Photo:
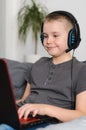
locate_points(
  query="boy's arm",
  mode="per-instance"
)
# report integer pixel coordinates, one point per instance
(25, 95)
(67, 115)
(62, 114)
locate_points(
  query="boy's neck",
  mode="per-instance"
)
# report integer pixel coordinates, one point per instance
(62, 59)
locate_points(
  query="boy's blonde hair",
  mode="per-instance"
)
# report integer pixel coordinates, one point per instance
(61, 17)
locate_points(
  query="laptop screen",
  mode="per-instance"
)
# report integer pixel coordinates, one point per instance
(8, 108)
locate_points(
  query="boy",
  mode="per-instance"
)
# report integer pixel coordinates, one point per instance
(57, 85)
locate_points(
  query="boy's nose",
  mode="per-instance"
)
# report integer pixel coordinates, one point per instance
(49, 40)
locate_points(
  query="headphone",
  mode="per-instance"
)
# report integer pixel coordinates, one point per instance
(73, 35)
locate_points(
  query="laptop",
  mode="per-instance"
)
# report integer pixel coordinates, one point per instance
(8, 107)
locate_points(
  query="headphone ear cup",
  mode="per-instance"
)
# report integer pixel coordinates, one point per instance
(72, 39)
(42, 37)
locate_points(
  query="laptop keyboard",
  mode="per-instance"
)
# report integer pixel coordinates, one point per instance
(31, 121)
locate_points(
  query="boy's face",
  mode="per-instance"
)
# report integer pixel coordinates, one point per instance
(55, 37)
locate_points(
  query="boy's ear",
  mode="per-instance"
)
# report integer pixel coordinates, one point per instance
(73, 39)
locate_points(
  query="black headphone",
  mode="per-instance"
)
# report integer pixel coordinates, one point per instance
(74, 34)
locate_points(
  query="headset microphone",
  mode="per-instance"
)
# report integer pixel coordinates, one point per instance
(67, 50)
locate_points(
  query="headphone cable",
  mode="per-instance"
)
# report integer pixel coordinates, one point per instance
(72, 95)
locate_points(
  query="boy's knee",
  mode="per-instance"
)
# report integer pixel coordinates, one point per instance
(5, 127)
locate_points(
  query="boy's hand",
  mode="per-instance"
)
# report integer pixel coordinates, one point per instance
(33, 109)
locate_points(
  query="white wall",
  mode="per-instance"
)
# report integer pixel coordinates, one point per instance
(11, 47)
(2, 27)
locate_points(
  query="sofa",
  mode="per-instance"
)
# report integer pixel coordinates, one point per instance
(18, 73)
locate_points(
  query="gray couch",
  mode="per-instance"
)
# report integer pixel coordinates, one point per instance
(18, 73)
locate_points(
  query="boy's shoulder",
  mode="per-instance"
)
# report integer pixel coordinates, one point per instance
(82, 63)
(79, 65)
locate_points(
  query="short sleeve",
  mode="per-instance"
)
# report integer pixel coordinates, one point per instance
(81, 80)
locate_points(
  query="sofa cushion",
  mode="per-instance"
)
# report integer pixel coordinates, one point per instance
(18, 71)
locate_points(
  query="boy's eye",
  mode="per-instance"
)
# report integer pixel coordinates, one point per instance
(45, 36)
(55, 35)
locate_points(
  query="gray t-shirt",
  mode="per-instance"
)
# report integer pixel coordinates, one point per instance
(56, 84)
